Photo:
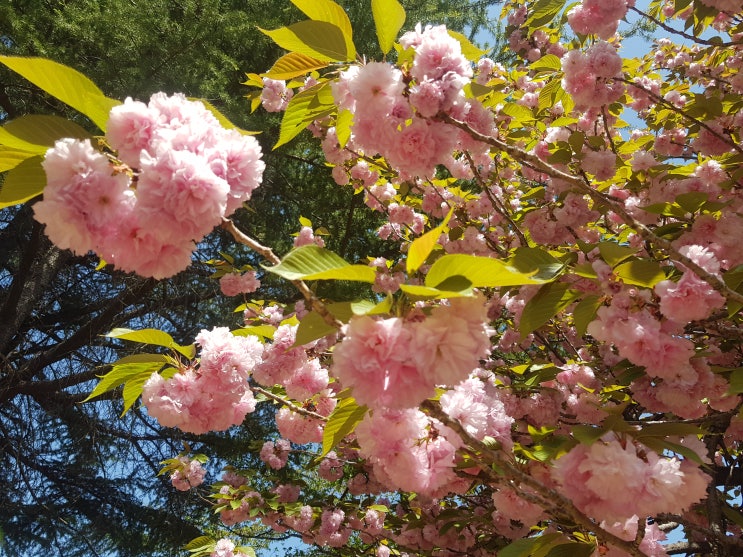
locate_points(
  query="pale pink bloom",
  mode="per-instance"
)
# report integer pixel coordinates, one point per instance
(302, 521)
(405, 453)
(236, 158)
(375, 361)
(377, 87)
(298, 428)
(130, 129)
(275, 454)
(600, 17)
(689, 299)
(190, 474)
(306, 237)
(437, 53)
(275, 95)
(233, 284)
(307, 380)
(602, 164)
(331, 468)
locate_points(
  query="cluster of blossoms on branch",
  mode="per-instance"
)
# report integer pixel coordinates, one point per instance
(174, 173)
(553, 353)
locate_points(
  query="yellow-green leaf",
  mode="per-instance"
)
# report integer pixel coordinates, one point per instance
(294, 64)
(318, 39)
(315, 263)
(221, 118)
(389, 17)
(152, 336)
(68, 85)
(303, 108)
(44, 130)
(25, 181)
(127, 368)
(330, 12)
(469, 51)
(10, 158)
(422, 246)
(341, 422)
(641, 272)
(479, 271)
(551, 299)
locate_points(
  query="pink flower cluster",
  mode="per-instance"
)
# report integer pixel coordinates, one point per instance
(213, 395)
(590, 77)
(392, 110)
(233, 284)
(394, 363)
(175, 174)
(225, 548)
(600, 17)
(411, 451)
(614, 479)
(189, 474)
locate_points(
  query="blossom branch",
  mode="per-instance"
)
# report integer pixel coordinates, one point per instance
(293, 407)
(648, 235)
(268, 254)
(687, 36)
(551, 500)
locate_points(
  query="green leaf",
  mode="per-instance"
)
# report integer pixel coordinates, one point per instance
(547, 63)
(315, 263)
(10, 158)
(330, 12)
(421, 247)
(343, 124)
(263, 331)
(341, 422)
(587, 434)
(389, 17)
(303, 108)
(572, 549)
(481, 272)
(530, 547)
(469, 51)
(25, 181)
(133, 389)
(152, 336)
(543, 12)
(202, 542)
(312, 327)
(641, 272)
(551, 299)
(68, 85)
(294, 64)
(431, 293)
(126, 369)
(318, 39)
(736, 381)
(42, 130)
(585, 312)
(537, 262)
(614, 253)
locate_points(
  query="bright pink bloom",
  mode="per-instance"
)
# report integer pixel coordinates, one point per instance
(233, 284)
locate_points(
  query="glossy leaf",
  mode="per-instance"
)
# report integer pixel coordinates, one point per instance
(303, 108)
(294, 64)
(469, 51)
(585, 312)
(330, 12)
(537, 262)
(25, 181)
(389, 17)
(341, 422)
(531, 547)
(127, 368)
(315, 263)
(544, 305)
(155, 337)
(543, 12)
(421, 247)
(66, 84)
(10, 158)
(640, 272)
(44, 130)
(481, 272)
(318, 39)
